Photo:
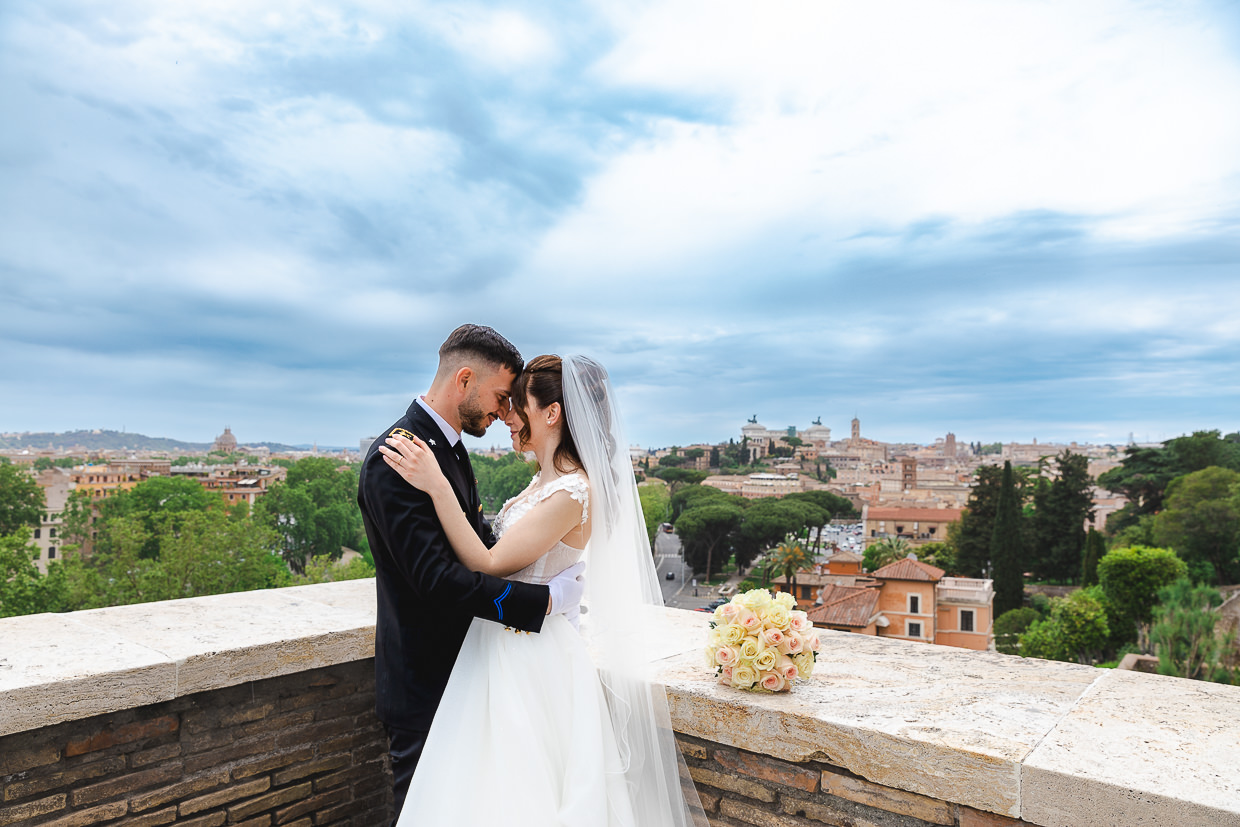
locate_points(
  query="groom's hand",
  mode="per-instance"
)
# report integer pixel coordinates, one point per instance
(566, 589)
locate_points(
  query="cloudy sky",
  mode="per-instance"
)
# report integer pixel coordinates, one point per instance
(1005, 219)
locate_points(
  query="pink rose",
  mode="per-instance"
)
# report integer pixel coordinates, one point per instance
(772, 638)
(726, 656)
(725, 677)
(788, 669)
(748, 620)
(728, 612)
(812, 640)
(799, 622)
(794, 645)
(773, 682)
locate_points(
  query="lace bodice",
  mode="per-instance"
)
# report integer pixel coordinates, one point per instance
(560, 556)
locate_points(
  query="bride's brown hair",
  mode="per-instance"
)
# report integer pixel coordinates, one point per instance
(543, 381)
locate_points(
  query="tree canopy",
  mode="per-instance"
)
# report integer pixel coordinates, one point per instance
(314, 511)
(21, 499)
(499, 480)
(705, 532)
(1061, 506)
(1145, 473)
(1131, 578)
(1201, 521)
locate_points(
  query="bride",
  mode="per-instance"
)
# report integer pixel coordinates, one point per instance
(532, 729)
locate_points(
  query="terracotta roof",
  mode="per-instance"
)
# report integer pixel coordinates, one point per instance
(847, 607)
(909, 569)
(808, 578)
(843, 556)
(913, 515)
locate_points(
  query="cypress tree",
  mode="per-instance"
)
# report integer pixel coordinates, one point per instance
(1006, 547)
(1095, 547)
(977, 526)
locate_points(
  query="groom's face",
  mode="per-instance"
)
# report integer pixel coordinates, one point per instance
(486, 400)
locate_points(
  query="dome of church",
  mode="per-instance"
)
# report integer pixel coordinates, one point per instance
(751, 427)
(225, 442)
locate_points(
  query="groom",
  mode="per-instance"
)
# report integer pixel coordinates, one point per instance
(426, 598)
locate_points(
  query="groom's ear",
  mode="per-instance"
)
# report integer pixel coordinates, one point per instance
(463, 378)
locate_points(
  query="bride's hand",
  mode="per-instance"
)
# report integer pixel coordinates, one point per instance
(413, 460)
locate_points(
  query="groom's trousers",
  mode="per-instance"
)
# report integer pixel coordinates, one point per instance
(405, 748)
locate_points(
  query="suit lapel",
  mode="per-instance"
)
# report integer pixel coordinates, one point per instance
(429, 430)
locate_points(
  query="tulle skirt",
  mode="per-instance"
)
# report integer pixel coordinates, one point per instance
(522, 738)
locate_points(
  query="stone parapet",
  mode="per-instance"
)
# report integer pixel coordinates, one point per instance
(886, 732)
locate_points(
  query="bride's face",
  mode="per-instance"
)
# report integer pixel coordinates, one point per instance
(514, 423)
(542, 421)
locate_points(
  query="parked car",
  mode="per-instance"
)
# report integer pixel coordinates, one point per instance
(671, 575)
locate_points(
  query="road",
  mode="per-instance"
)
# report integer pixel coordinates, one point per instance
(677, 592)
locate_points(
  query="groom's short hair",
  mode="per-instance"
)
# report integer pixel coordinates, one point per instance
(479, 342)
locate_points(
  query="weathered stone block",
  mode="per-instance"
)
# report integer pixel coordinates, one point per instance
(26, 757)
(165, 816)
(209, 820)
(43, 783)
(235, 751)
(1139, 749)
(264, 763)
(887, 798)
(270, 801)
(823, 812)
(32, 809)
(154, 755)
(124, 734)
(310, 806)
(731, 783)
(178, 791)
(750, 814)
(320, 765)
(969, 817)
(92, 815)
(127, 783)
(216, 799)
(768, 769)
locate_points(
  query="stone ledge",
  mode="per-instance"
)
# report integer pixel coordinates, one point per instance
(56, 668)
(1029, 739)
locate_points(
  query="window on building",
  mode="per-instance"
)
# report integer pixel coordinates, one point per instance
(51, 532)
(914, 604)
(51, 553)
(966, 620)
(914, 629)
(38, 532)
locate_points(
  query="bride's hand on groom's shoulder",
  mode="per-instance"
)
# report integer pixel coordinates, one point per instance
(413, 460)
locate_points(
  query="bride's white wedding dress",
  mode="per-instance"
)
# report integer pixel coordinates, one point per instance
(522, 737)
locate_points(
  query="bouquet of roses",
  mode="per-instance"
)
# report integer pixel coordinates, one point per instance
(760, 642)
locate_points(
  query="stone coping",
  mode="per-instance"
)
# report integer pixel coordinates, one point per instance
(1055, 744)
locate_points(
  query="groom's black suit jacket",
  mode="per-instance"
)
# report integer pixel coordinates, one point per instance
(426, 597)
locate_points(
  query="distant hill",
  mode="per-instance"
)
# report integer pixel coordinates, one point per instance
(101, 440)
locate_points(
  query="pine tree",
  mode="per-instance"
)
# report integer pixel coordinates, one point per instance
(1095, 547)
(1006, 547)
(1061, 507)
(978, 524)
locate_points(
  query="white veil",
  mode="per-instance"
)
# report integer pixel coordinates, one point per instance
(622, 593)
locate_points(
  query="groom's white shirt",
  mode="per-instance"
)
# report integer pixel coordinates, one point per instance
(452, 436)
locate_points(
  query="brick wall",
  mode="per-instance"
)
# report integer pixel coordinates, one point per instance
(745, 788)
(302, 750)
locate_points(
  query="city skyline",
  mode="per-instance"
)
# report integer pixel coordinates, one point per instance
(1006, 220)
